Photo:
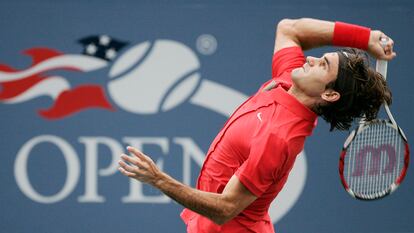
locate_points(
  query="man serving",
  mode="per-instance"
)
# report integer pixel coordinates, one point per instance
(250, 159)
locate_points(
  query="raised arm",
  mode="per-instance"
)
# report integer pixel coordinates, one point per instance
(306, 33)
(312, 33)
(219, 207)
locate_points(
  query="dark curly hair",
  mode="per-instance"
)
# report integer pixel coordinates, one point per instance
(362, 90)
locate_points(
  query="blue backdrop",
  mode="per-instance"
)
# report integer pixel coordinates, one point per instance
(164, 76)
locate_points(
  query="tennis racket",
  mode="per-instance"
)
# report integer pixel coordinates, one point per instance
(375, 156)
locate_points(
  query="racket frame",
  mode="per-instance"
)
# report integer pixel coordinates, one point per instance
(362, 126)
(381, 67)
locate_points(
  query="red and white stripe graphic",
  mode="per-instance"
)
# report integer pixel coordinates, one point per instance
(19, 86)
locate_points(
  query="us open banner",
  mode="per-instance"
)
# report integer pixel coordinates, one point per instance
(81, 80)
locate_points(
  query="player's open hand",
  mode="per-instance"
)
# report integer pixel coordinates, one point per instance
(139, 166)
(377, 49)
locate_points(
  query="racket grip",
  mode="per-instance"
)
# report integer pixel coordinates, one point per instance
(381, 68)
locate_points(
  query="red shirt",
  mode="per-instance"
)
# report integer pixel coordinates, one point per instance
(258, 144)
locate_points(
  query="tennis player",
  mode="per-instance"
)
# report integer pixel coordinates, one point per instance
(250, 159)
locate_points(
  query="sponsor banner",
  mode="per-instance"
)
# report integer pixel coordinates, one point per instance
(79, 81)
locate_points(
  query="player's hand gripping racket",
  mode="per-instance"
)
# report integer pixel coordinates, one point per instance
(375, 156)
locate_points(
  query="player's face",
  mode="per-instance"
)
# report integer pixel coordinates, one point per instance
(315, 74)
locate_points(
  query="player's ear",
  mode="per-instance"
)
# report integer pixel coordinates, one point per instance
(330, 95)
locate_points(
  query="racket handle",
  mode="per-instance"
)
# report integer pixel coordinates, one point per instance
(381, 66)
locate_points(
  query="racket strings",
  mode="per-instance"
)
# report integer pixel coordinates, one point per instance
(374, 160)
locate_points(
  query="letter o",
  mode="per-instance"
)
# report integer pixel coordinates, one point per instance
(72, 165)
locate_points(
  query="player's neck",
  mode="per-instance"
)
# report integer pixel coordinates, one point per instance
(306, 100)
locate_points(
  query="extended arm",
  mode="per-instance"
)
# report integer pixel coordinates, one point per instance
(312, 33)
(218, 207)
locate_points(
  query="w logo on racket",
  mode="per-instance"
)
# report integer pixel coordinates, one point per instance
(382, 159)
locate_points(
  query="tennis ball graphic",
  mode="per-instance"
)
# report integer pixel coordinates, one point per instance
(154, 77)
